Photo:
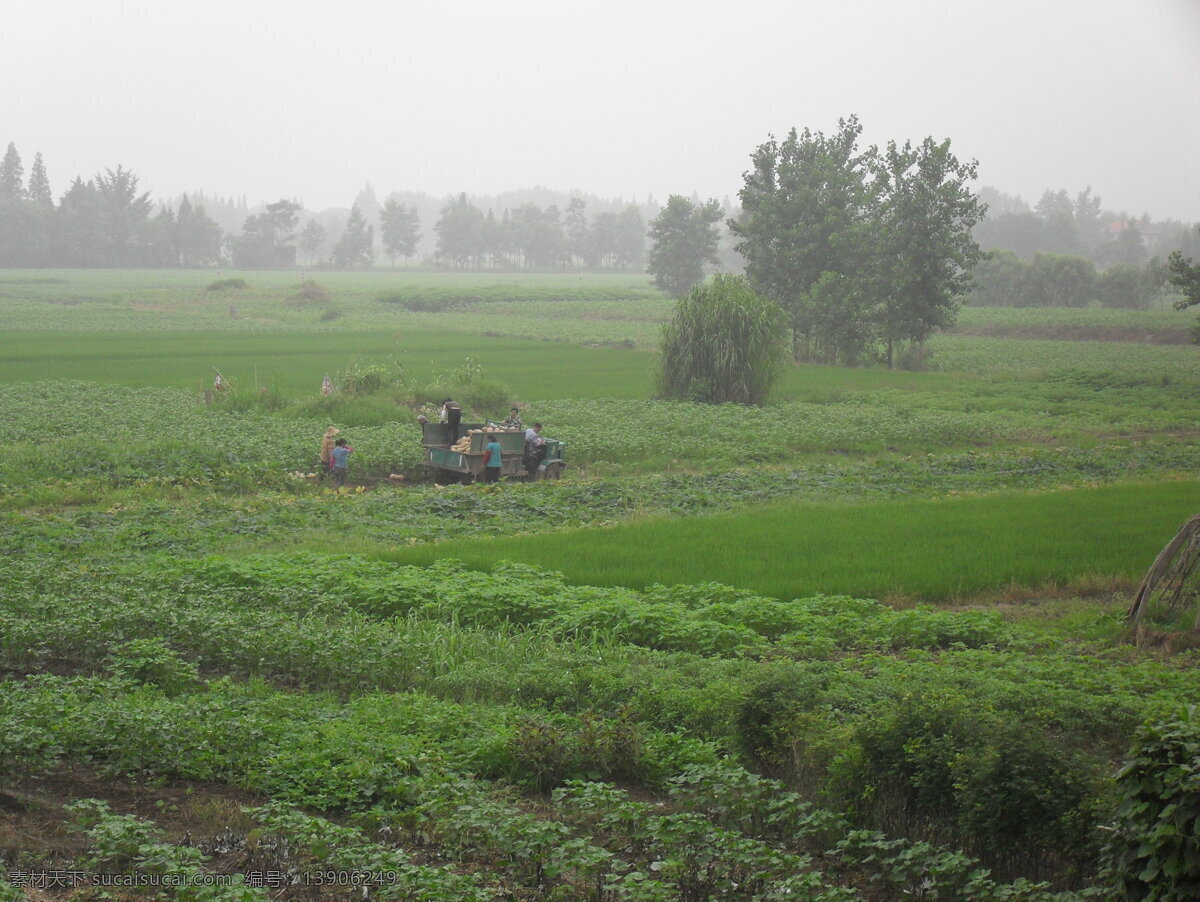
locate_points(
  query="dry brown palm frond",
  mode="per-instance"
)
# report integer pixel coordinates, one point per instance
(1172, 583)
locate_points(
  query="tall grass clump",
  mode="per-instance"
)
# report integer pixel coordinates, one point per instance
(470, 387)
(240, 398)
(724, 344)
(366, 395)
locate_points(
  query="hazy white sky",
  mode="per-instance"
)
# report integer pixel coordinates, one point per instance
(313, 100)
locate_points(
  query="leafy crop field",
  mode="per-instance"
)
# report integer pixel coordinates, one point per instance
(862, 643)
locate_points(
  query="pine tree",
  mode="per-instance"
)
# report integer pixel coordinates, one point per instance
(39, 184)
(356, 247)
(12, 175)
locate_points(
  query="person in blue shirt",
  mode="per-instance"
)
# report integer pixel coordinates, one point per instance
(339, 457)
(492, 461)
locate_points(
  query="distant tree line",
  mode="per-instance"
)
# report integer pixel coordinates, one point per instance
(1002, 279)
(107, 222)
(533, 237)
(103, 222)
(1078, 227)
(1070, 252)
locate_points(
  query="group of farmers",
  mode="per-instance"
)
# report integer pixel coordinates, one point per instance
(335, 452)
(335, 456)
(535, 445)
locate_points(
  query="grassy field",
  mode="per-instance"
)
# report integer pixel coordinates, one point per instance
(197, 633)
(949, 549)
(295, 362)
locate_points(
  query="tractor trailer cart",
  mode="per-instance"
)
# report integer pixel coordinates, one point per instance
(468, 465)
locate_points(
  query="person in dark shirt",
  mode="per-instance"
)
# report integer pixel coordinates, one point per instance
(452, 417)
(535, 447)
(339, 457)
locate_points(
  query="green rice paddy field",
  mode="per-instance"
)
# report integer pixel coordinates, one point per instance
(844, 606)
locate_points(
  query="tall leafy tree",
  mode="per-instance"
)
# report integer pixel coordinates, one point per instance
(630, 239)
(460, 232)
(312, 240)
(924, 219)
(683, 239)
(537, 236)
(1060, 235)
(864, 249)
(80, 231)
(604, 235)
(806, 201)
(160, 240)
(367, 204)
(355, 249)
(724, 343)
(12, 175)
(494, 239)
(199, 236)
(498, 237)
(1128, 248)
(39, 183)
(575, 224)
(266, 239)
(22, 231)
(124, 213)
(399, 229)
(1185, 276)
(1089, 224)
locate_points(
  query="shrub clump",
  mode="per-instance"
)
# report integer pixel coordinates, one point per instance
(1153, 852)
(226, 284)
(310, 292)
(154, 663)
(427, 304)
(948, 769)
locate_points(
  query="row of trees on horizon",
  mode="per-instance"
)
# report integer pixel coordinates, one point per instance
(106, 221)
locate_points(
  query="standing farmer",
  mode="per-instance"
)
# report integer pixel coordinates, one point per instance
(493, 460)
(327, 450)
(451, 415)
(340, 458)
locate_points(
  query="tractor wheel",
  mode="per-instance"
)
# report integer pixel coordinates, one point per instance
(553, 471)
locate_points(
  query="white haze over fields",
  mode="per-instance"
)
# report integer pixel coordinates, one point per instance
(312, 100)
